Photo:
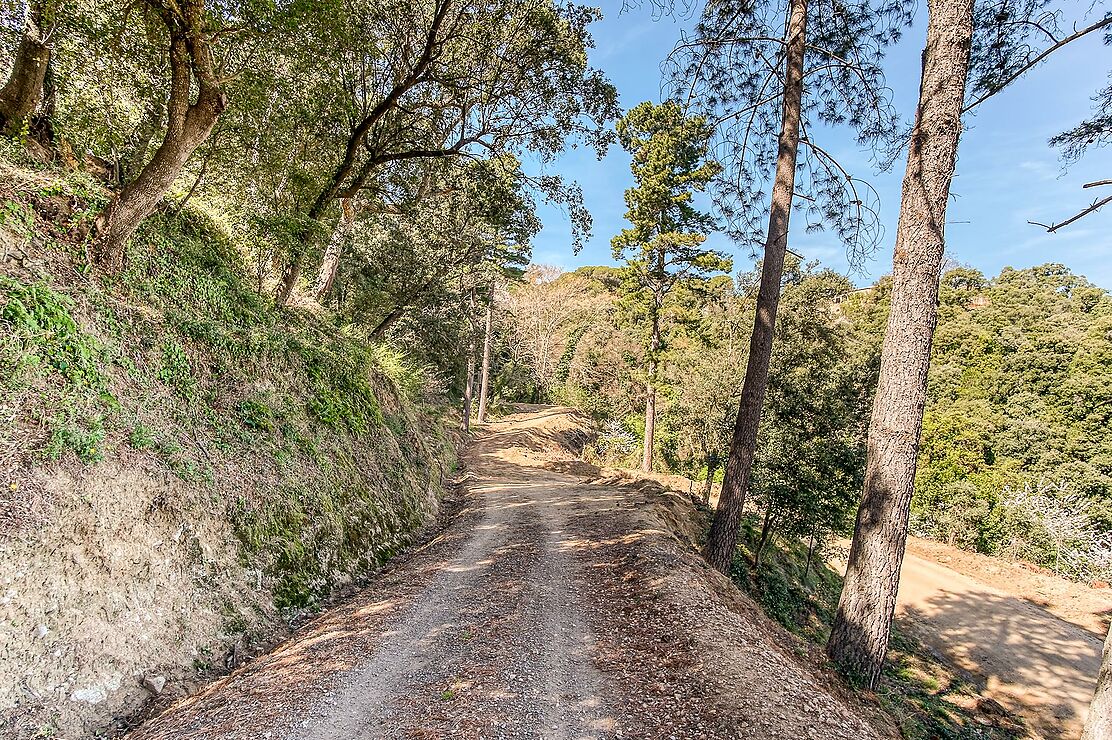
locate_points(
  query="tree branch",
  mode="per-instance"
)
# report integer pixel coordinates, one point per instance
(1106, 21)
(1096, 206)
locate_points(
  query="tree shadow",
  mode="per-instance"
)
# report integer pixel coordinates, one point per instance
(1034, 663)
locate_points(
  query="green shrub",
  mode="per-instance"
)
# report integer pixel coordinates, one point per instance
(141, 437)
(17, 217)
(43, 322)
(175, 370)
(86, 441)
(256, 415)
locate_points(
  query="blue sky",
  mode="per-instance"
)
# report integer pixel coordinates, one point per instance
(1006, 173)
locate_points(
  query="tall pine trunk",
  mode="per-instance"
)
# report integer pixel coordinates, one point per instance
(23, 91)
(859, 638)
(189, 124)
(1098, 726)
(722, 541)
(484, 377)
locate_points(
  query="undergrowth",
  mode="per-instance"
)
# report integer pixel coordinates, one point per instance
(928, 698)
(319, 447)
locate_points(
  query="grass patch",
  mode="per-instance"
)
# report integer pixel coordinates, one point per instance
(42, 322)
(85, 439)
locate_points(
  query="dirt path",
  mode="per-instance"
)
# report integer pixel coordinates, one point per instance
(549, 607)
(1029, 659)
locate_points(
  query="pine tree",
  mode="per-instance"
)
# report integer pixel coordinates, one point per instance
(664, 243)
(986, 44)
(767, 73)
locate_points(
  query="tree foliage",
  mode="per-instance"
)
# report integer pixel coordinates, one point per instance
(730, 70)
(1018, 392)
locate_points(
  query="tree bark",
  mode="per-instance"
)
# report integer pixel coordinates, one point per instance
(398, 311)
(330, 263)
(859, 638)
(189, 124)
(484, 382)
(650, 390)
(290, 275)
(469, 381)
(1098, 726)
(468, 386)
(388, 321)
(722, 541)
(23, 91)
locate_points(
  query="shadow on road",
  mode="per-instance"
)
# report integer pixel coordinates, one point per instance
(1027, 658)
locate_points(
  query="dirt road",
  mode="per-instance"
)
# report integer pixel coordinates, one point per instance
(548, 607)
(1029, 659)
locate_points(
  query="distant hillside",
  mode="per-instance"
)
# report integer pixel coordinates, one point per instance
(1016, 455)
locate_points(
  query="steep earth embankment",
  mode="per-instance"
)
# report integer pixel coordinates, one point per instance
(554, 605)
(183, 468)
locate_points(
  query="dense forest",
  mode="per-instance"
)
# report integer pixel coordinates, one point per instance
(1013, 459)
(263, 265)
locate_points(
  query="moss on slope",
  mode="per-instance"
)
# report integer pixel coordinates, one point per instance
(315, 453)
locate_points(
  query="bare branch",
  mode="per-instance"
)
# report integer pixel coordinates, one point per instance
(1096, 206)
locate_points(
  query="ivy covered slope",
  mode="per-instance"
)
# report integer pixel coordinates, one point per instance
(182, 465)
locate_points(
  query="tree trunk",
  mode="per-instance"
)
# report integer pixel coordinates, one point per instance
(810, 555)
(484, 382)
(650, 390)
(1098, 726)
(398, 311)
(21, 94)
(859, 637)
(189, 124)
(712, 468)
(389, 320)
(766, 531)
(722, 541)
(290, 275)
(303, 239)
(469, 381)
(330, 263)
(468, 387)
